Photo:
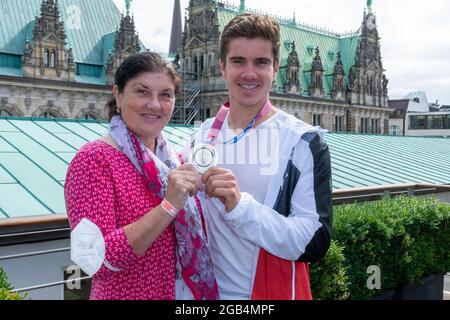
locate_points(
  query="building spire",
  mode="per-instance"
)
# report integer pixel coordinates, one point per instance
(242, 6)
(369, 5)
(176, 35)
(128, 6)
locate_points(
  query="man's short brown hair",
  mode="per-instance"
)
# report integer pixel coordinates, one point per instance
(251, 26)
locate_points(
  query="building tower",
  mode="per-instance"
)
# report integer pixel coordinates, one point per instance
(200, 44)
(367, 82)
(317, 70)
(292, 84)
(338, 92)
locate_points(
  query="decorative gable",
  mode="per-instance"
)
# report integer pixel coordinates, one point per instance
(292, 84)
(126, 43)
(316, 86)
(46, 56)
(194, 42)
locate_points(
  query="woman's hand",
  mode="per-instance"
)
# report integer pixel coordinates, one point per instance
(184, 181)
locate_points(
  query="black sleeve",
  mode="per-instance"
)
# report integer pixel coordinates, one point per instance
(319, 244)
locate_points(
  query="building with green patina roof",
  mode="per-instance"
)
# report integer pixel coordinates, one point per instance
(58, 58)
(333, 80)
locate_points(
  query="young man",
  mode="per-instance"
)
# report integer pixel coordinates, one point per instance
(267, 202)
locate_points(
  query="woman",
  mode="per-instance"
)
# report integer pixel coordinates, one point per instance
(130, 189)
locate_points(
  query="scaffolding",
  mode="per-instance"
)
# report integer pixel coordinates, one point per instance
(189, 106)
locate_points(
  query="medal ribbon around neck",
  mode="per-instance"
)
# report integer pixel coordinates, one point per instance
(204, 156)
(222, 115)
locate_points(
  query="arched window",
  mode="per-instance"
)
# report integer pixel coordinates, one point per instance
(201, 63)
(89, 117)
(48, 115)
(46, 58)
(340, 83)
(52, 58)
(195, 68)
(318, 80)
(4, 113)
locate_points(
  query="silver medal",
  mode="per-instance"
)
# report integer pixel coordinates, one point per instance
(203, 157)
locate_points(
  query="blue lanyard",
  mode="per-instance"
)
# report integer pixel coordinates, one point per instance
(221, 117)
(235, 139)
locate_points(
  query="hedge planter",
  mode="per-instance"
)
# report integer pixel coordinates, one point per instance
(428, 288)
(406, 239)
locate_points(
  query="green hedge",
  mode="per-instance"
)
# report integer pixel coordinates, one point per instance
(329, 279)
(5, 288)
(407, 237)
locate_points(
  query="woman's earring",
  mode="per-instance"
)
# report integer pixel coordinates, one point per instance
(118, 110)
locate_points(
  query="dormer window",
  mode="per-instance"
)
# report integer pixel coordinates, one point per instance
(331, 54)
(49, 58)
(287, 44)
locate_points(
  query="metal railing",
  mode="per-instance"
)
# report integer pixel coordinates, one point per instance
(376, 192)
(44, 285)
(49, 285)
(30, 233)
(32, 254)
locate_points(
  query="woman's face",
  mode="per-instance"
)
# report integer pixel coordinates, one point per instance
(146, 104)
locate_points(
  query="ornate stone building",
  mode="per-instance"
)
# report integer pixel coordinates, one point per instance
(57, 59)
(333, 80)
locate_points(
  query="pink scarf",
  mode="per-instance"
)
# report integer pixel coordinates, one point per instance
(192, 250)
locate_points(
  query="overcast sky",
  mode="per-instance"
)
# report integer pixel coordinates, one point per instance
(415, 34)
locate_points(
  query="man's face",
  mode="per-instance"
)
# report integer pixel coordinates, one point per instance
(249, 71)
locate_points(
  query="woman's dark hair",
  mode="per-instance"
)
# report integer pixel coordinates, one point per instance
(135, 65)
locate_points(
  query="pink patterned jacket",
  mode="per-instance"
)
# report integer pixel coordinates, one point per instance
(103, 186)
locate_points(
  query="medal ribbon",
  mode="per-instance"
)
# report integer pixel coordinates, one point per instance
(222, 115)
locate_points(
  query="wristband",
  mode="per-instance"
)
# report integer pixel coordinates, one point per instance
(169, 208)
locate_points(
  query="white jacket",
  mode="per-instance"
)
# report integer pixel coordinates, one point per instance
(294, 222)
